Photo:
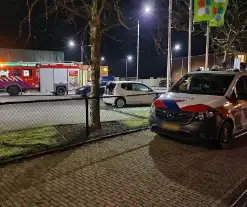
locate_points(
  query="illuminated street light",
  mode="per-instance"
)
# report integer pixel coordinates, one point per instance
(128, 59)
(177, 47)
(102, 59)
(147, 9)
(71, 43)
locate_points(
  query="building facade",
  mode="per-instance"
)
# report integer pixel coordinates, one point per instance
(180, 65)
(17, 55)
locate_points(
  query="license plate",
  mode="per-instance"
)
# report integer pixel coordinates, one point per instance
(171, 127)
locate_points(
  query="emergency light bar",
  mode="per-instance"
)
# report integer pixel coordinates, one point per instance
(17, 64)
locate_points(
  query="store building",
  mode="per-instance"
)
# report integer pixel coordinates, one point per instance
(180, 65)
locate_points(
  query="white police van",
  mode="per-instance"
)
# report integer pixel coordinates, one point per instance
(203, 105)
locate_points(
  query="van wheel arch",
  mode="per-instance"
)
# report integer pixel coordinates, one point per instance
(228, 122)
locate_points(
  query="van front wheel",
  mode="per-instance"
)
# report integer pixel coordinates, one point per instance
(225, 136)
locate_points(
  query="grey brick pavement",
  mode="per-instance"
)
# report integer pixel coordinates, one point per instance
(134, 170)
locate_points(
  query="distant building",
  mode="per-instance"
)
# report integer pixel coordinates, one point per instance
(180, 65)
(15, 55)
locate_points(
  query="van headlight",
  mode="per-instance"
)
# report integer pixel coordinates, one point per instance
(205, 115)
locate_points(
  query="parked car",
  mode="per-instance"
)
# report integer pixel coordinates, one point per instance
(203, 105)
(128, 93)
(162, 83)
(85, 91)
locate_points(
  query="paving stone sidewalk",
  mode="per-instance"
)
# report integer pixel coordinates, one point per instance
(140, 169)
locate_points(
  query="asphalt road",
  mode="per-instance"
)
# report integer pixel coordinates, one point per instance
(32, 97)
(4, 97)
(29, 115)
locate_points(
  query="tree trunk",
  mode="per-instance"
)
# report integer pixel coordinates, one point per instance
(95, 67)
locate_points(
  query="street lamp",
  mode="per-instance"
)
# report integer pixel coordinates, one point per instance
(102, 59)
(72, 44)
(128, 59)
(177, 47)
(147, 10)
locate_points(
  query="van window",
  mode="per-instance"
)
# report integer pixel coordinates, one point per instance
(204, 83)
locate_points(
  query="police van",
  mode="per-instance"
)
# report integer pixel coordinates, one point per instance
(203, 105)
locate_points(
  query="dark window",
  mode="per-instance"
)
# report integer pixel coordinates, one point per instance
(140, 87)
(127, 86)
(204, 83)
(17, 72)
(241, 88)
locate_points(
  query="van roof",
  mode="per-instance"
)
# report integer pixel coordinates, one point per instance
(219, 72)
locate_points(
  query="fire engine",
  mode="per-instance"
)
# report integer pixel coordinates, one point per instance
(57, 78)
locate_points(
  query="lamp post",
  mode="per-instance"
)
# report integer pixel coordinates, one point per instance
(128, 59)
(147, 10)
(169, 47)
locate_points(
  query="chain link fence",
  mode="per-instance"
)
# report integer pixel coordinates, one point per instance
(37, 125)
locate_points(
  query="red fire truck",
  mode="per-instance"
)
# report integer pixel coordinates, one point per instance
(19, 77)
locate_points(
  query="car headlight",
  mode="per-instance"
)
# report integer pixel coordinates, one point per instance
(205, 115)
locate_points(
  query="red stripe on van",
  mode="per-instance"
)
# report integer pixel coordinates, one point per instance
(197, 108)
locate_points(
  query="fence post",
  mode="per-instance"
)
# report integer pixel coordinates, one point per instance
(87, 117)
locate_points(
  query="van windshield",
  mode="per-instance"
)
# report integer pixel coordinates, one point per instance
(203, 83)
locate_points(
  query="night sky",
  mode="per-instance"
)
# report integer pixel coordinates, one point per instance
(56, 34)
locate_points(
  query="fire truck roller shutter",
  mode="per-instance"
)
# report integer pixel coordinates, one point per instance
(46, 80)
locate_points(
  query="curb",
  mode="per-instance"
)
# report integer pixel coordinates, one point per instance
(21, 158)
